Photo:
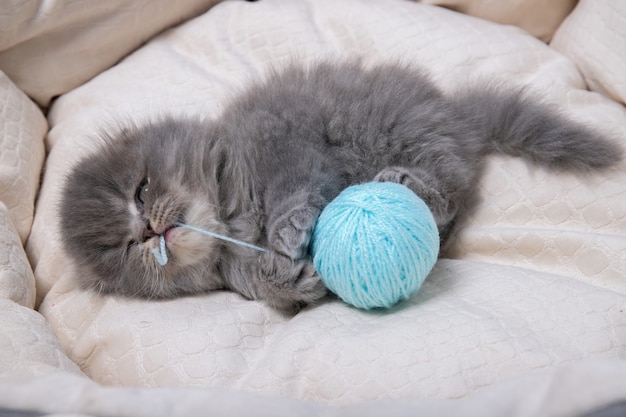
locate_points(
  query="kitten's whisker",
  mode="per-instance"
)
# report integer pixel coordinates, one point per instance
(213, 206)
(150, 276)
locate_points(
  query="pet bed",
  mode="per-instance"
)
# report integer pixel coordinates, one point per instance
(524, 314)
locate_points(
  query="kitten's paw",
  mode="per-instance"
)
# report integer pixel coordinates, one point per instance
(287, 284)
(291, 233)
(441, 207)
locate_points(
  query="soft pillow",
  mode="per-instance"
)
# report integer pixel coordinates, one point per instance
(47, 48)
(538, 17)
(594, 37)
(514, 299)
(22, 131)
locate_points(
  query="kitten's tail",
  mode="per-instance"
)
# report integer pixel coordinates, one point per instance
(514, 123)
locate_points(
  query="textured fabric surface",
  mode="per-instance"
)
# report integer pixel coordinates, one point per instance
(471, 325)
(28, 347)
(17, 282)
(49, 47)
(22, 131)
(569, 225)
(539, 17)
(536, 278)
(572, 390)
(594, 37)
(524, 316)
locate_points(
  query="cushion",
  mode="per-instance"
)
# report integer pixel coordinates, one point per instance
(48, 48)
(593, 37)
(22, 131)
(532, 280)
(538, 17)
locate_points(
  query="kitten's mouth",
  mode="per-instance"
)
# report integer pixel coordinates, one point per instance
(160, 252)
(167, 233)
(150, 233)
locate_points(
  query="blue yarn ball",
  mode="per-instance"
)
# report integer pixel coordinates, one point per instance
(374, 244)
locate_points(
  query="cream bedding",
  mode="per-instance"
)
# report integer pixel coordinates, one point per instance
(528, 301)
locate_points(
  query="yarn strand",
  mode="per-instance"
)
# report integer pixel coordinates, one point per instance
(161, 253)
(222, 237)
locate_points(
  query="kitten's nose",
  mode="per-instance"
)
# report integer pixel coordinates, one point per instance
(148, 233)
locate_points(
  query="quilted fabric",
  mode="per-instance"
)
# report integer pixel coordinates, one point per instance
(533, 280)
(28, 347)
(471, 325)
(594, 38)
(572, 227)
(22, 129)
(17, 282)
(573, 390)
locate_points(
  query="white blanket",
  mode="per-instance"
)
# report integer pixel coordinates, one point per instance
(533, 282)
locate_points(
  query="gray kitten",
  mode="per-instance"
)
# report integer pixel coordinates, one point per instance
(263, 171)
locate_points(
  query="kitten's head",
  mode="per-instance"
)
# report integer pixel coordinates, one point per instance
(118, 201)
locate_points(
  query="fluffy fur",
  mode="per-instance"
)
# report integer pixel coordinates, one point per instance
(263, 171)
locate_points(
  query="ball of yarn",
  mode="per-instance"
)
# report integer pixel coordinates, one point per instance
(374, 244)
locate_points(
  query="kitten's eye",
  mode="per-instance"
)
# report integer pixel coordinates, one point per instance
(141, 193)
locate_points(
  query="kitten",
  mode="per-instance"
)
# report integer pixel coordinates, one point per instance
(263, 171)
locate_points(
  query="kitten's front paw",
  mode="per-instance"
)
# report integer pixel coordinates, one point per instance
(291, 233)
(442, 210)
(287, 284)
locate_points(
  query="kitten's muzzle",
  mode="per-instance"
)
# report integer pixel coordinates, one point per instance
(148, 232)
